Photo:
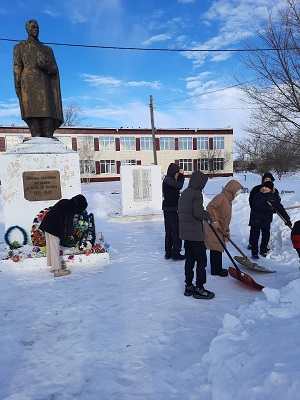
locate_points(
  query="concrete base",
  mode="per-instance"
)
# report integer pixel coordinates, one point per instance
(35, 154)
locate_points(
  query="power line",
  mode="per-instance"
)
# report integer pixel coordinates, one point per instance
(89, 46)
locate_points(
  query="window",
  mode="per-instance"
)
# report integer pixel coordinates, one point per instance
(186, 164)
(66, 140)
(128, 162)
(218, 164)
(127, 143)
(185, 143)
(87, 167)
(12, 140)
(202, 143)
(85, 147)
(219, 143)
(107, 143)
(203, 164)
(167, 143)
(146, 143)
(108, 167)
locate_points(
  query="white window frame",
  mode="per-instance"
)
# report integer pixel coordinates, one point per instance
(66, 140)
(185, 143)
(127, 143)
(219, 162)
(107, 143)
(108, 167)
(203, 164)
(128, 162)
(186, 164)
(202, 143)
(146, 143)
(166, 143)
(87, 167)
(219, 143)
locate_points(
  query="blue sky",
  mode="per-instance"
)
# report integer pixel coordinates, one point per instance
(113, 87)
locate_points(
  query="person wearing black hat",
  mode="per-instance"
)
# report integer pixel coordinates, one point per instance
(261, 217)
(171, 186)
(58, 220)
(267, 177)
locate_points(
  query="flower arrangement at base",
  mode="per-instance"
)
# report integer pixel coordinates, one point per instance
(83, 243)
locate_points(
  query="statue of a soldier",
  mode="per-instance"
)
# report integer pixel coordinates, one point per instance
(37, 84)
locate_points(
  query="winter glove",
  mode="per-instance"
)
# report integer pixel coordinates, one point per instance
(289, 224)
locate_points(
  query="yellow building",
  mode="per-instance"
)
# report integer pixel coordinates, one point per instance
(103, 150)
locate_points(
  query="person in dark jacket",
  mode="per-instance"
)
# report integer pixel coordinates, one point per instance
(171, 186)
(264, 204)
(58, 220)
(191, 230)
(267, 177)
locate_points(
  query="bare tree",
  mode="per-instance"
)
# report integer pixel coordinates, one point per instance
(73, 114)
(275, 63)
(86, 153)
(213, 160)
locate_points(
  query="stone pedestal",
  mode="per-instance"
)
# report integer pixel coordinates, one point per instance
(35, 175)
(141, 187)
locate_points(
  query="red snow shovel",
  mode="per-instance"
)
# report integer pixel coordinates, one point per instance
(236, 272)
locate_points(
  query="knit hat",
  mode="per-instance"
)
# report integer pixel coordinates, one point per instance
(80, 202)
(268, 175)
(268, 184)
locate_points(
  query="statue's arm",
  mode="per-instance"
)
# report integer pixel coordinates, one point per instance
(48, 63)
(18, 67)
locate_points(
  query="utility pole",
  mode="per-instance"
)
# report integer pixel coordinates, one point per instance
(153, 130)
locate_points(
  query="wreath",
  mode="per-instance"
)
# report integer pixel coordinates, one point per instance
(83, 225)
(15, 244)
(38, 236)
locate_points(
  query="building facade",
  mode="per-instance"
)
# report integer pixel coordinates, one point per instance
(103, 150)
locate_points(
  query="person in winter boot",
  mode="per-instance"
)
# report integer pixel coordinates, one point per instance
(171, 186)
(295, 236)
(264, 204)
(220, 210)
(191, 230)
(56, 221)
(267, 177)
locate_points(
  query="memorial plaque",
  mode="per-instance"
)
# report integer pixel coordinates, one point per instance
(142, 185)
(41, 185)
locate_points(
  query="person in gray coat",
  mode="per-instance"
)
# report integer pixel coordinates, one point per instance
(191, 230)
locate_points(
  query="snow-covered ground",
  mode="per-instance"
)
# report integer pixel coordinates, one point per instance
(124, 331)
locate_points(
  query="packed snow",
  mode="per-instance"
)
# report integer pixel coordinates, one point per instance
(123, 330)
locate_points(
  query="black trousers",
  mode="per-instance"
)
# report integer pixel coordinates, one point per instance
(215, 258)
(254, 237)
(172, 242)
(195, 252)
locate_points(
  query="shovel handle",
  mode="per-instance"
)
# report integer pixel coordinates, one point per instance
(290, 208)
(224, 247)
(237, 248)
(278, 213)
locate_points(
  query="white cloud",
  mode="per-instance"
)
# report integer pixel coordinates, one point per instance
(98, 80)
(157, 38)
(51, 12)
(186, 1)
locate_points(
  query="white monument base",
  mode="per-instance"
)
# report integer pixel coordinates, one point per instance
(141, 187)
(29, 178)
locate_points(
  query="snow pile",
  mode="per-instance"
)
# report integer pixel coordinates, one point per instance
(256, 354)
(123, 330)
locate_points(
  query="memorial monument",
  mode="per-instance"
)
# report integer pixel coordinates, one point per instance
(37, 84)
(40, 171)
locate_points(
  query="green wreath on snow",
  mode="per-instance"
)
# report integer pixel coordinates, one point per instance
(15, 244)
